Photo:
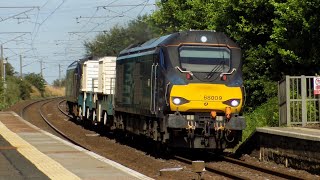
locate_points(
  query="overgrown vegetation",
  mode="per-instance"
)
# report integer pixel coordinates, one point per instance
(37, 81)
(264, 115)
(59, 82)
(16, 89)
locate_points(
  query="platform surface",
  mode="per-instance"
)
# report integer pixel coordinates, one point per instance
(31, 153)
(294, 132)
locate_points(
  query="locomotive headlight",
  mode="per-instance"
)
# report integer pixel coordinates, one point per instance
(232, 102)
(178, 100)
(203, 39)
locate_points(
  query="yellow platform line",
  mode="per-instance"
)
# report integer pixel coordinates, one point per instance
(48, 166)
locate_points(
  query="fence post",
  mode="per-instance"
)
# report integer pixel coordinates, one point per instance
(304, 100)
(279, 102)
(288, 102)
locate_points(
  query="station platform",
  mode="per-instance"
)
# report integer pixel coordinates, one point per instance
(295, 147)
(293, 132)
(27, 152)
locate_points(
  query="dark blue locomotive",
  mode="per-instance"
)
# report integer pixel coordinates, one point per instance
(183, 89)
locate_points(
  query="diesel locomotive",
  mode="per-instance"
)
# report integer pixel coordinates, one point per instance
(183, 89)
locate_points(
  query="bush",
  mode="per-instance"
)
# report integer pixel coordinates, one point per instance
(265, 115)
(15, 91)
(59, 82)
(37, 81)
(25, 90)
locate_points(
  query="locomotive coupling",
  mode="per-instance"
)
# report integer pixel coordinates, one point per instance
(236, 123)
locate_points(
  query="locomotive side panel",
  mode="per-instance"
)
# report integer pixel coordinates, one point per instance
(133, 84)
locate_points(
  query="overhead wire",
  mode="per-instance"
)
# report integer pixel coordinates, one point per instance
(40, 24)
(10, 17)
(143, 8)
(90, 19)
(122, 13)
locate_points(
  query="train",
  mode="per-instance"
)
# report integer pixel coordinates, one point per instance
(184, 90)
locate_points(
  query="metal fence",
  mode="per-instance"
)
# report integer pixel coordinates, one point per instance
(297, 103)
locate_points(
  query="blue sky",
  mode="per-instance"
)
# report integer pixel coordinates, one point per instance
(53, 31)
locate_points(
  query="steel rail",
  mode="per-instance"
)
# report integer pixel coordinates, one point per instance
(47, 121)
(30, 104)
(61, 110)
(233, 175)
(219, 171)
(261, 169)
(56, 129)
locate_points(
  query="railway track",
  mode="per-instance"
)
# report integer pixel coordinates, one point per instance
(55, 128)
(61, 110)
(32, 113)
(261, 171)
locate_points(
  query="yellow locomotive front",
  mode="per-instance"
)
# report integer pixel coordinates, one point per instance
(204, 91)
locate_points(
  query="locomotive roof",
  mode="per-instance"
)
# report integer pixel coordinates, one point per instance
(178, 38)
(74, 64)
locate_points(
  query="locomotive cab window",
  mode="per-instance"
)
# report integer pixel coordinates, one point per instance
(205, 59)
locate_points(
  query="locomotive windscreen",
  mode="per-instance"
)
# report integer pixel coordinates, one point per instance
(205, 59)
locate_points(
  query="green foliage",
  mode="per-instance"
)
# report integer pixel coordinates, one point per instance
(12, 91)
(25, 89)
(15, 90)
(118, 38)
(265, 115)
(37, 81)
(177, 15)
(59, 82)
(9, 70)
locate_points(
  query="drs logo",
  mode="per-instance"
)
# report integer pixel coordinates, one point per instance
(212, 98)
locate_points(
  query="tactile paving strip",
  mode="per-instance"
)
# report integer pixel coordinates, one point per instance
(44, 163)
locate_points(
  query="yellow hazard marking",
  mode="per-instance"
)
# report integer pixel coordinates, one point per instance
(48, 166)
(205, 97)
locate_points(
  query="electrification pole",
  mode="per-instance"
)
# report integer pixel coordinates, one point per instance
(20, 67)
(3, 72)
(59, 75)
(41, 68)
(1, 62)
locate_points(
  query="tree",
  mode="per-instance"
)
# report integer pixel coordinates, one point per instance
(9, 70)
(25, 89)
(296, 35)
(37, 81)
(59, 82)
(177, 15)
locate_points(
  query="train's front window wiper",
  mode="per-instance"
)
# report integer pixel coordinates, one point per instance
(216, 68)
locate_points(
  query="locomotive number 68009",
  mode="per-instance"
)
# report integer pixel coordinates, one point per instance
(212, 98)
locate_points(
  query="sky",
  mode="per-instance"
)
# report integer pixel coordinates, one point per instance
(49, 34)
